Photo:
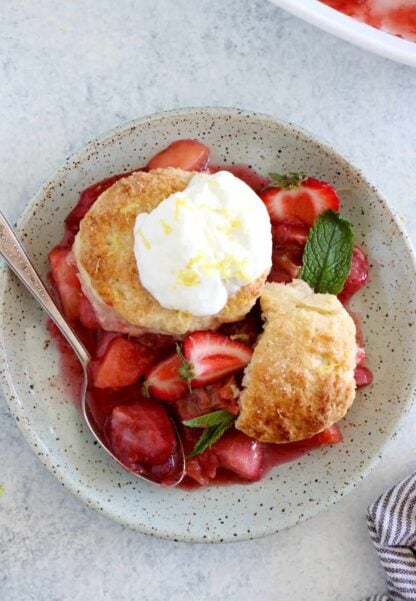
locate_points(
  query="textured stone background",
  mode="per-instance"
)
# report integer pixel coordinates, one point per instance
(70, 71)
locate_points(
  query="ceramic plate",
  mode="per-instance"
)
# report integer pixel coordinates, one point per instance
(38, 396)
(351, 30)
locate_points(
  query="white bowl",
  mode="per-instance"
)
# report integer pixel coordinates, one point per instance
(38, 396)
(351, 30)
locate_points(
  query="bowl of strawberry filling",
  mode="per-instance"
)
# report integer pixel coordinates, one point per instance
(249, 346)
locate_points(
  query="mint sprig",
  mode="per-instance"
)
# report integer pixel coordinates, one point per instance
(215, 424)
(328, 253)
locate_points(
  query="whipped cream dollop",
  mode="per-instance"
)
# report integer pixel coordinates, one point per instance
(198, 247)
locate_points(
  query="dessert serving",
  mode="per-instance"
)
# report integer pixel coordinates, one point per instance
(218, 297)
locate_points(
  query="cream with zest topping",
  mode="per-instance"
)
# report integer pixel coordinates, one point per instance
(201, 245)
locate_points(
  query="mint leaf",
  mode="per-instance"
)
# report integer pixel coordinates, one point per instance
(328, 253)
(209, 419)
(215, 424)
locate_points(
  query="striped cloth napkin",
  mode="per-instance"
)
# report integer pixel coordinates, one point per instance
(392, 524)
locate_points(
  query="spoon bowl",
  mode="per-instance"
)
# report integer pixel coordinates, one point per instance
(15, 256)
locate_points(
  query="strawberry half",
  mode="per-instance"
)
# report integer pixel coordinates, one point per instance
(163, 380)
(293, 196)
(189, 155)
(213, 355)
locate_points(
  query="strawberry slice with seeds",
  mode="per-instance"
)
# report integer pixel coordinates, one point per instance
(163, 380)
(141, 433)
(122, 364)
(189, 155)
(207, 357)
(212, 356)
(294, 196)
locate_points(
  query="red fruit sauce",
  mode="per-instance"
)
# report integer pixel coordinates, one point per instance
(397, 19)
(207, 468)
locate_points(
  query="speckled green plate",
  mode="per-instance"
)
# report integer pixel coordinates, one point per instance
(38, 396)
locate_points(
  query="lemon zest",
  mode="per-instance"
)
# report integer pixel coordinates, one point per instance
(188, 277)
(180, 203)
(230, 227)
(142, 237)
(167, 229)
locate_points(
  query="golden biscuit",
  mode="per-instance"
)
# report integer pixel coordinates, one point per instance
(301, 377)
(104, 254)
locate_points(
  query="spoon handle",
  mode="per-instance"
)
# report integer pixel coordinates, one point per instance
(17, 259)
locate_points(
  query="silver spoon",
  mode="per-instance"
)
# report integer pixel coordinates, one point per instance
(15, 255)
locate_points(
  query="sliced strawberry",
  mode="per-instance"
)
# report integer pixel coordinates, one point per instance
(357, 277)
(295, 197)
(123, 363)
(189, 155)
(240, 454)
(163, 380)
(65, 276)
(141, 433)
(213, 355)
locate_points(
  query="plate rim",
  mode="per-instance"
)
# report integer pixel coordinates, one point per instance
(10, 394)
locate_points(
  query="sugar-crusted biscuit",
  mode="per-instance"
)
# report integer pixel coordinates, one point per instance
(301, 377)
(103, 251)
